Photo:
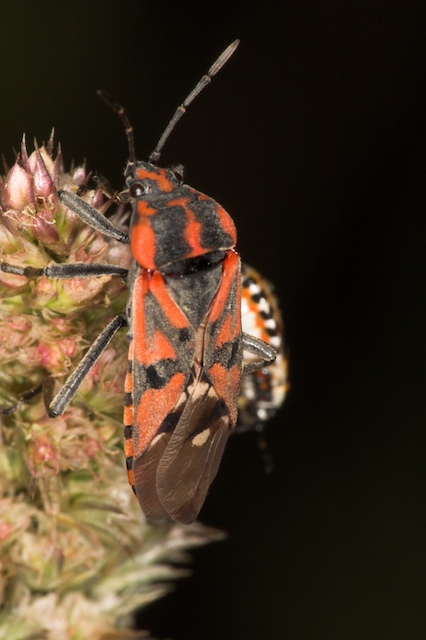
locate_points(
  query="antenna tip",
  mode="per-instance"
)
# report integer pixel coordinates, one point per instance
(107, 98)
(223, 58)
(230, 49)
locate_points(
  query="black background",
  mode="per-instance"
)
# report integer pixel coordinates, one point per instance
(314, 138)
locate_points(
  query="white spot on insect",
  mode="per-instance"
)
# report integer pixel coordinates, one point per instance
(254, 288)
(275, 341)
(201, 438)
(263, 305)
(156, 439)
(271, 324)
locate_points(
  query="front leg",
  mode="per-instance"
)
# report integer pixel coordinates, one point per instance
(67, 271)
(91, 216)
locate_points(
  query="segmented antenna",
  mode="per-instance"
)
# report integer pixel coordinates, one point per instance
(121, 112)
(205, 80)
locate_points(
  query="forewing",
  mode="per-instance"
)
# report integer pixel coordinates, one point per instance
(184, 422)
(145, 478)
(161, 358)
(223, 349)
(192, 456)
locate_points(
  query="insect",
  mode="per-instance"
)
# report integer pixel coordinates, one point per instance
(263, 391)
(183, 317)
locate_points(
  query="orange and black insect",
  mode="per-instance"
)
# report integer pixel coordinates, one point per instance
(262, 391)
(183, 316)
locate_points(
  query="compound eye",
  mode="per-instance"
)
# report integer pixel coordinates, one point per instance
(178, 170)
(138, 189)
(178, 176)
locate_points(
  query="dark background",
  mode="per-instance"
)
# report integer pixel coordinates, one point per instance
(314, 138)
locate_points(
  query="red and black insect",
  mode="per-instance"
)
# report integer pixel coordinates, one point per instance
(184, 328)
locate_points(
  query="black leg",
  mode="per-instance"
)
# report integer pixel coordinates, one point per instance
(266, 354)
(28, 395)
(91, 216)
(64, 271)
(56, 406)
(62, 399)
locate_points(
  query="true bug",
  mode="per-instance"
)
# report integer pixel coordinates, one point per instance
(184, 327)
(263, 391)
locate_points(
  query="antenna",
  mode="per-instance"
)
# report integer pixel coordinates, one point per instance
(121, 112)
(113, 104)
(205, 80)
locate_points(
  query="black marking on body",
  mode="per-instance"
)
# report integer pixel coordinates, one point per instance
(160, 373)
(157, 374)
(248, 281)
(184, 335)
(265, 315)
(169, 228)
(195, 292)
(228, 353)
(212, 234)
(193, 265)
(271, 331)
(170, 421)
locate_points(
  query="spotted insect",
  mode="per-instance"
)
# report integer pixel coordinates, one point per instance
(262, 391)
(183, 316)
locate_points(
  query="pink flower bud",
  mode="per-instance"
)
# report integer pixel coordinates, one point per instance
(18, 188)
(53, 356)
(39, 162)
(5, 530)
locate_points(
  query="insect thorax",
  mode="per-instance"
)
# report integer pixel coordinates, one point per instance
(171, 221)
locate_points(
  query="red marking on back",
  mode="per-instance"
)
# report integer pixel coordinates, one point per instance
(162, 346)
(128, 382)
(227, 385)
(228, 330)
(231, 266)
(159, 176)
(151, 344)
(128, 448)
(193, 227)
(144, 209)
(192, 233)
(174, 314)
(131, 477)
(128, 415)
(227, 223)
(140, 290)
(154, 406)
(142, 241)
(226, 308)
